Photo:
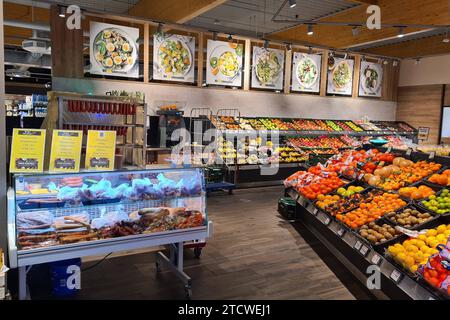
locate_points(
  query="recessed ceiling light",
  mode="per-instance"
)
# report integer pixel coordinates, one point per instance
(292, 3)
(230, 37)
(310, 30)
(401, 32)
(289, 47)
(62, 12)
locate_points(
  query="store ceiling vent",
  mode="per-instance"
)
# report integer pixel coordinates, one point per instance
(36, 46)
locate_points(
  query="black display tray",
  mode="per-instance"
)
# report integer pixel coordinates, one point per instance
(422, 206)
(24, 205)
(415, 207)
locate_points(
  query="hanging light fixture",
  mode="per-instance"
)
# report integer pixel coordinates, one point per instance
(266, 44)
(292, 3)
(310, 50)
(394, 63)
(289, 47)
(310, 30)
(62, 12)
(401, 32)
(230, 37)
(215, 36)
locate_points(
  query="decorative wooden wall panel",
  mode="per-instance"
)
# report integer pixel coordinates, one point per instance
(421, 106)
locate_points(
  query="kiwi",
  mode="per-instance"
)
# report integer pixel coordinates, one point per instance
(372, 239)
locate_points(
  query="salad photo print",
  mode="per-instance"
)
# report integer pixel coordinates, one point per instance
(114, 50)
(306, 72)
(173, 57)
(370, 79)
(224, 63)
(267, 68)
(340, 76)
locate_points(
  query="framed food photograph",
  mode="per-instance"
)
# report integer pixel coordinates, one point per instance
(340, 76)
(173, 57)
(306, 69)
(370, 79)
(267, 68)
(224, 63)
(114, 50)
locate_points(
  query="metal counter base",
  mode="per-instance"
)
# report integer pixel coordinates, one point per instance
(356, 256)
(174, 241)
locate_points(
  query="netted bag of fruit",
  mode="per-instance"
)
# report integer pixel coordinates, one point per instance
(437, 270)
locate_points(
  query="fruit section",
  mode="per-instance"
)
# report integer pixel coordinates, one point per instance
(391, 211)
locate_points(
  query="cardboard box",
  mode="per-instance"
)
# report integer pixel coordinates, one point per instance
(2, 293)
(2, 279)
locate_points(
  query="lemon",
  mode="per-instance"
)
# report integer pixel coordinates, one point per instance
(419, 243)
(412, 248)
(401, 256)
(422, 237)
(448, 227)
(424, 249)
(431, 233)
(441, 229)
(406, 243)
(433, 251)
(409, 261)
(430, 240)
(418, 257)
(414, 268)
(441, 238)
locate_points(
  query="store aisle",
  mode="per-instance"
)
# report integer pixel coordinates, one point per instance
(252, 255)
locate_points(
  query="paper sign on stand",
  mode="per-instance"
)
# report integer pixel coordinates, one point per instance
(66, 151)
(27, 151)
(100, 150)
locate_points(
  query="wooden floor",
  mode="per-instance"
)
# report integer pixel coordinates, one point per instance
(253, 255)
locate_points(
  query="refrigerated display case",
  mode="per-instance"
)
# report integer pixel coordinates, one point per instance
(53, 217)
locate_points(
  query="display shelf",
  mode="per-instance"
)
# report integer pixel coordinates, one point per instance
(151, 208)
(357, 254)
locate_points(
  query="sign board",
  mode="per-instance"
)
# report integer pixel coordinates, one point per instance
(100, 150)
(27, 151)
(66, 151)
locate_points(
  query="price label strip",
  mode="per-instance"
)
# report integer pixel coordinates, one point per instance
(341, 232)
(364, 251)
(432, 155)
(396, 276)
(358, 245)
(315, 211)
(327, 221)
(376, 259)
(408, 152)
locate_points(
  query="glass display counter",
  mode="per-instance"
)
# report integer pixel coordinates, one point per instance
(54, 217)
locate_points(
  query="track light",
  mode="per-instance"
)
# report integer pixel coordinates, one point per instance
(363, 58)
(309, 50)
(394, 63)
(289, 47)
(266, 44)
(214, 36)
(401, 32)
(355, 31)
(230, 37)
(417, 61)
(386, 62)
(310, 30)
(292, 3)
(446, 39)
(62, 12)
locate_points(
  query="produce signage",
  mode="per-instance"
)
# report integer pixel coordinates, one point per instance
(100, 150)
(340, 76)
(27, 151)
(370, 79)
(66, 150)
(173, 57)
(306, 72)
(114, 50)
(224, 63)
(267, 68)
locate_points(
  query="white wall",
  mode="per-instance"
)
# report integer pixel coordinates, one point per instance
(431, 70)
(249, 103)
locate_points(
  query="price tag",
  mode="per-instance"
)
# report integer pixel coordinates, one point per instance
(315, 211)
(358, 245)
(361, 176)
(341, 232)
(396, 275)
(364, 250)
(408, 152)
(376, 259)
(327, 221)
(389, 149)
(432, 154)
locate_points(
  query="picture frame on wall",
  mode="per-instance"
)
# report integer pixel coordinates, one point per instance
(267, 68)
(173, 57)
(114, 50)
(370, 79)
(340, 76)
(306, 72)
(224, 63)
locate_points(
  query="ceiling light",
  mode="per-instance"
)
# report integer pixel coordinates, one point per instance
(62, 12)
(230, 37)
(266, 44)
(310, 30)
(417, 61)
(217, 22)
(289, 47)
(346, 55)
(292, 3)
(309, 50)
(159, 29)
(363, 58)
(446, 39)
(401, 32)
(355, 31)
(215, 36)
(395, 63)
(386, 62)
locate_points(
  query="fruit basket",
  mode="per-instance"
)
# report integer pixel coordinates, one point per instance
(431, 206)
(382, 227)
(418, 225)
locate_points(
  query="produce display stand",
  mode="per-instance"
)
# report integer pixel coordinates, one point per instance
(357, 255)
(249, 175)
(175, 240)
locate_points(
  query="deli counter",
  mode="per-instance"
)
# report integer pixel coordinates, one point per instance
(54, 217)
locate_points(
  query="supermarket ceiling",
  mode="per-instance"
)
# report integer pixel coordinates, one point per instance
(256, 17)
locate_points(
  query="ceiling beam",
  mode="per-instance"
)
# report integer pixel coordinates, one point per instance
(173, 10)
(396, 12)
(365, 1)
(414, 48)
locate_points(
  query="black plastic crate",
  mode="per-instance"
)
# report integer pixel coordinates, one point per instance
(286, 208)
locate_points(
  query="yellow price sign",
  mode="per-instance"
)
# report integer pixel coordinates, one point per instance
(27, 151)
(66, 151)
(100, 150)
